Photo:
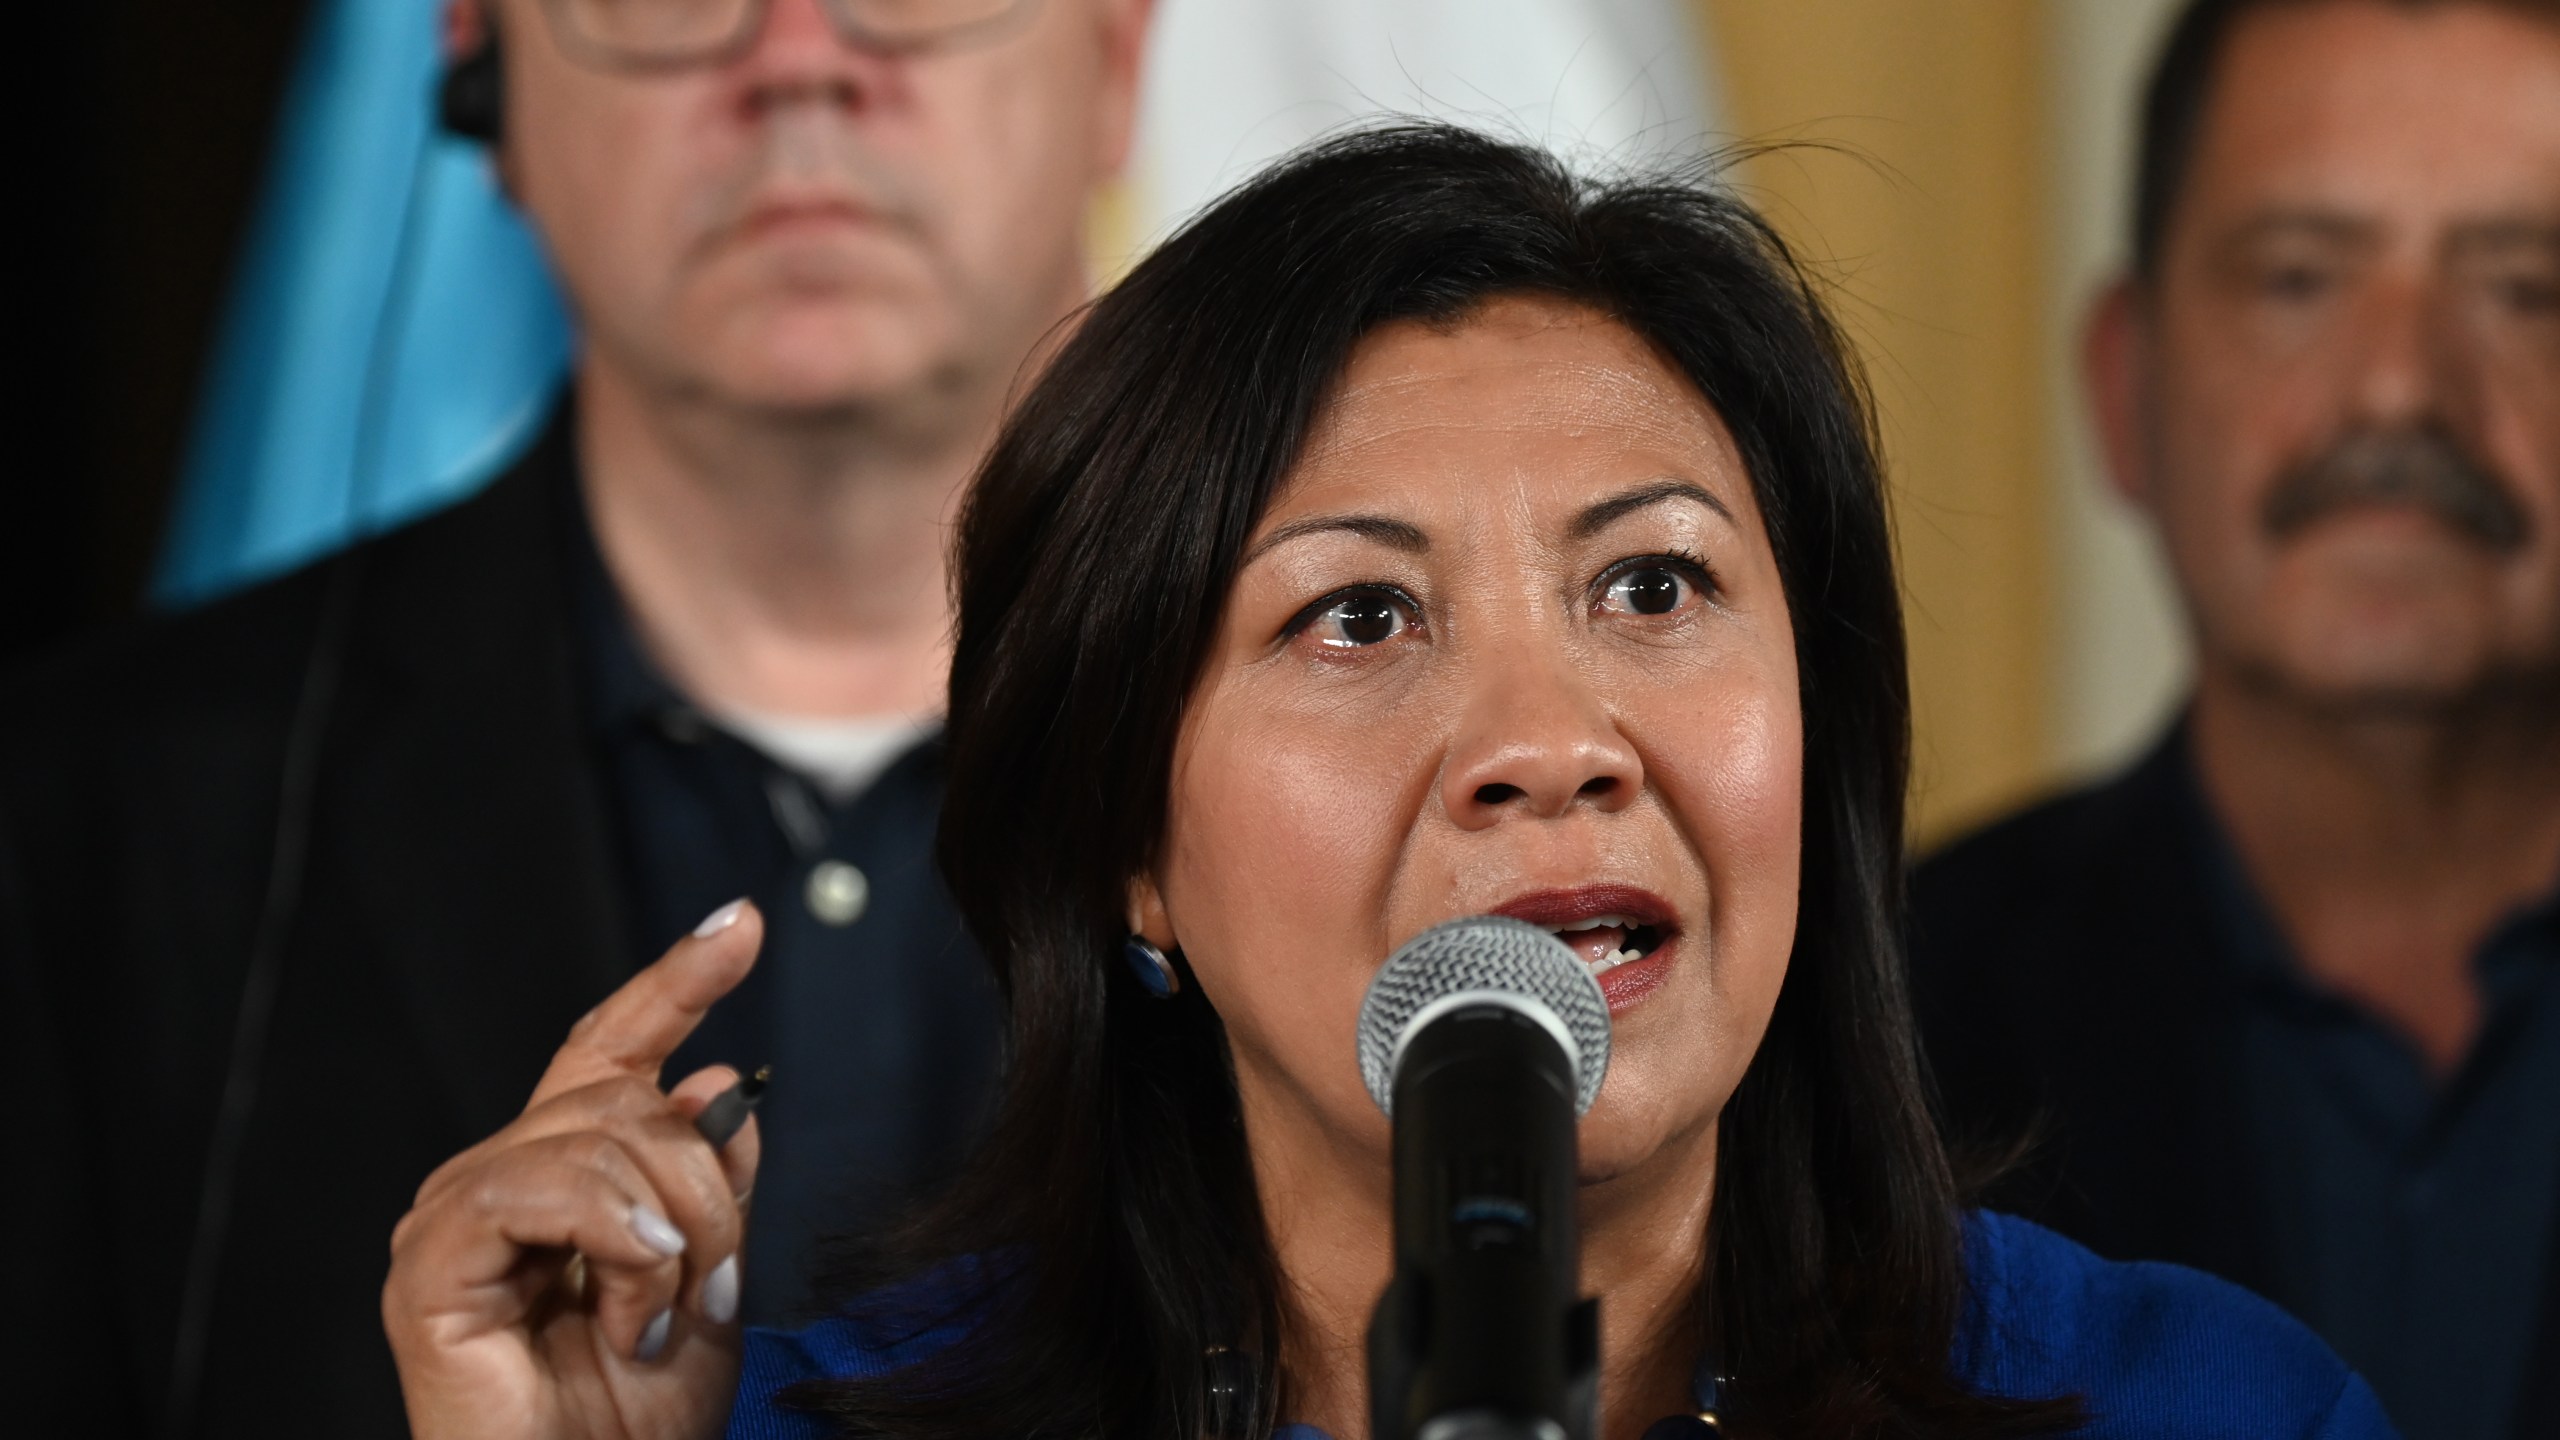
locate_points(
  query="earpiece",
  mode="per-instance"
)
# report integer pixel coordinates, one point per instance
(471, 98)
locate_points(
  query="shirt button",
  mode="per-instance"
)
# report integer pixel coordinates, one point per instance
(837, 893)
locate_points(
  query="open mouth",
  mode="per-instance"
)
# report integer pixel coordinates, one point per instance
(1606, 925)
(1605, 942)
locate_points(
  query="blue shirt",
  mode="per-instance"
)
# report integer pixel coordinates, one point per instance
(2152, 1351)
(2409, 1216)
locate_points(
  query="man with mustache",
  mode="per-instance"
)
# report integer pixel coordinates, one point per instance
(2283, 1000)
(297, 892)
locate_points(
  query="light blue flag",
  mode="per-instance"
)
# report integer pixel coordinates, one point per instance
(394, 338)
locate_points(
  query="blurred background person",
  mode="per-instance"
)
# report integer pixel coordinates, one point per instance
(303, 872)
(686, 642)
(2286, 993)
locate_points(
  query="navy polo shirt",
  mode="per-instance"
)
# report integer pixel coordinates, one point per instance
(2409, 1215)
(878, 1016)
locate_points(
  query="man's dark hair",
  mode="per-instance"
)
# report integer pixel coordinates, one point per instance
(1112, 1212)
(2181, 88)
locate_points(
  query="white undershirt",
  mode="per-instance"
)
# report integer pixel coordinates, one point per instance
(840, 757)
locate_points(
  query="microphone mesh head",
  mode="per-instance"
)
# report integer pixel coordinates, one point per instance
(1482, 953)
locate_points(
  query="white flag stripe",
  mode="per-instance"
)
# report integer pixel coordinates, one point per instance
(1232, 84)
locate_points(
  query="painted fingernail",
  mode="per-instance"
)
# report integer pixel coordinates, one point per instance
(720, 1292)
(655, 1232)
(720, 919)
(653, 1341)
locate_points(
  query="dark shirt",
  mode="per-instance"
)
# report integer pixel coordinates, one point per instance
(298, 894)
(2097, 974)
(2410, 1215)
(868, 1000)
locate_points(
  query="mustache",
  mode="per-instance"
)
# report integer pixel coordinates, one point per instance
(2418, 467)
(805, 150)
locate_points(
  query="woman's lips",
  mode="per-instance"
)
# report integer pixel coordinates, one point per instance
(1624, 934)
(1624, 985)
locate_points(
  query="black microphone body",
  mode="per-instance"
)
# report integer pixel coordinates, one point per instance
(1484, 1040)
(1482, 1333)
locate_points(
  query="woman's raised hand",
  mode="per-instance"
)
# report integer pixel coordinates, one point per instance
(576, 1274)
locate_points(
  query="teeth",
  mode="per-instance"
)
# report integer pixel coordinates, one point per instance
(1615, 958)
(1597, 922)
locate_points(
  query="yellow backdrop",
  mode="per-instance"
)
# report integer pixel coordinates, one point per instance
(1929, 217)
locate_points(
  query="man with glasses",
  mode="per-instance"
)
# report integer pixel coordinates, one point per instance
(298, 892)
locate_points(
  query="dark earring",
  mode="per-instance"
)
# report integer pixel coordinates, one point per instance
(471, 98)
(1711, 1387)
(1231, 1386)
(1151, 967)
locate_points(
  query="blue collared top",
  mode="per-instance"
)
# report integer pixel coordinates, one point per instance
(2150, 1349)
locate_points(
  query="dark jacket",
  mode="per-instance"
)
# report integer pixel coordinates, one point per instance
(456, 906)
(2072, 989)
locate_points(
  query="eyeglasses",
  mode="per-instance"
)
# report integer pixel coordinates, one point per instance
(671, 34)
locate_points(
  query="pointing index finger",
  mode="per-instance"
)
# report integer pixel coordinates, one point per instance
(640, 1025)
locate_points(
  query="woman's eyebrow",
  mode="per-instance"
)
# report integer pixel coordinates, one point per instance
(1606, 513)
(1394, 534)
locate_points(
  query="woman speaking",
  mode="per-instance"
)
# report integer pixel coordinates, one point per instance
(1421, 533)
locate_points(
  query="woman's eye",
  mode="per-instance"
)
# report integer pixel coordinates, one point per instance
(1356, 620)
(1648, 590)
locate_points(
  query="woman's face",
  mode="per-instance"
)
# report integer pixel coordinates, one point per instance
(1510, 639)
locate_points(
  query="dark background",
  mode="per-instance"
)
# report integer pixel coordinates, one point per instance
(143, 131)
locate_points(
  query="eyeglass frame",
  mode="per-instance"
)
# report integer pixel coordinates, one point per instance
(597, 55)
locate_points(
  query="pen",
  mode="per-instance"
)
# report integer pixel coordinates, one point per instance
(721, 1120)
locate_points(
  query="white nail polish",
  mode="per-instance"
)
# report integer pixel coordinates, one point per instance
(720, 919)
(720, 1292)
(655, 1232)
(653, 1341)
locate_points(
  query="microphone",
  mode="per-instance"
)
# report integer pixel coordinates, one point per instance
(1484, 1039)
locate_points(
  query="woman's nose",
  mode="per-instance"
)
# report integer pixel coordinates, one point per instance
(1537, 743)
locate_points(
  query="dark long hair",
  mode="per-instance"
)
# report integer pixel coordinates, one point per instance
(1113, 1207)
